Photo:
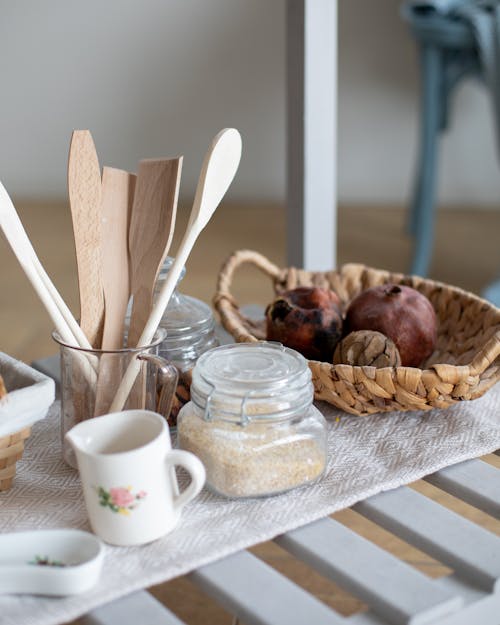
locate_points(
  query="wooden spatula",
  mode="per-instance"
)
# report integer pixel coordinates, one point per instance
(117, 198)
(150, 234)
(84, 187)
(218, 170)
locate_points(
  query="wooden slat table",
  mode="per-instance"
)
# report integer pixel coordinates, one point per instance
(395, 592)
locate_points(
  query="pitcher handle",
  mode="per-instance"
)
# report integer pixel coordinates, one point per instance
(193, 465)
(167, 378)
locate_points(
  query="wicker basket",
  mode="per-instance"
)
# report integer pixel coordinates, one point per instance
(11, 450)
(464, 365)
(30, 393)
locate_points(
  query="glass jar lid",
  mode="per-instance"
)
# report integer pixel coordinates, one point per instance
(251, 381)
(185, 317)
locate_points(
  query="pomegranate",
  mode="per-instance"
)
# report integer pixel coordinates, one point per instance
(400, 312)
(307, 319)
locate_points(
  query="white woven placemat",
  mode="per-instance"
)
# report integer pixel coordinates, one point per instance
(366, 456)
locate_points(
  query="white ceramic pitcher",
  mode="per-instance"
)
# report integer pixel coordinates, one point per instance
(126, 466)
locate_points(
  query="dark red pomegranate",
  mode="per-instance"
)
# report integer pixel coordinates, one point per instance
(307, 319)
(400, 312)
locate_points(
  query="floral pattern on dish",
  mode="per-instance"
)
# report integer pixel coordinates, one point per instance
(46, 561)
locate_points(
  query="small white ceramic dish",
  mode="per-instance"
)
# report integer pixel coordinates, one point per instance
(29, 395)
(49, 562)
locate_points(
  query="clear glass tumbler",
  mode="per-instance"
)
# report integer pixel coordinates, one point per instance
(90, 379)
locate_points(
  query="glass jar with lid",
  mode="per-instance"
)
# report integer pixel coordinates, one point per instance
(190, 327)
(252, 422)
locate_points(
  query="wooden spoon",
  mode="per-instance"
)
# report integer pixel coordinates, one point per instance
(84, 187)
(150, 234)
(16, 236)
(117, 198)
(66, 325)
(217, 172)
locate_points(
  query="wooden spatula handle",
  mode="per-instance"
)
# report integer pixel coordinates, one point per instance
(84, 187)
(151, 231)
(118, 188)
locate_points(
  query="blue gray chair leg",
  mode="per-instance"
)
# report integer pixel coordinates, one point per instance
(422, 207)
(492, 293)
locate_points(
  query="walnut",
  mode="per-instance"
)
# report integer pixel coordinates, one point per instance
(367, 347)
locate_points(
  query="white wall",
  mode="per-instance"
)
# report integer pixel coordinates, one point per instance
(161, 77)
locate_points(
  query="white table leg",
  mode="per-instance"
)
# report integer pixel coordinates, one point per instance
(311, 133)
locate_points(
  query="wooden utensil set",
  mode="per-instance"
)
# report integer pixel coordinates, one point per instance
(123, 227)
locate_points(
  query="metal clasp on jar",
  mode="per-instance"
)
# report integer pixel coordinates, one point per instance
(208, 414)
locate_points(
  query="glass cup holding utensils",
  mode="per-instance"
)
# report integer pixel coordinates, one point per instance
(90, 379)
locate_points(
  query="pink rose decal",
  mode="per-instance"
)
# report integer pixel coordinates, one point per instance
(120, 499)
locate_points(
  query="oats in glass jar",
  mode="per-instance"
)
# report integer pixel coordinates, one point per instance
(251, 420)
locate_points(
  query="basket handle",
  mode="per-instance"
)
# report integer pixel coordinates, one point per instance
(487, 355)
(241, 257)
(223, 300)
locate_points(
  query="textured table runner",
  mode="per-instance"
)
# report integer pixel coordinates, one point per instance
(367, 455)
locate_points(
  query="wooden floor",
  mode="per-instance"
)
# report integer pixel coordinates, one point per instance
(467, 255)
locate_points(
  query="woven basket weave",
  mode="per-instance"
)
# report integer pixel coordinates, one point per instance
(11, 450)
(464, 365)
